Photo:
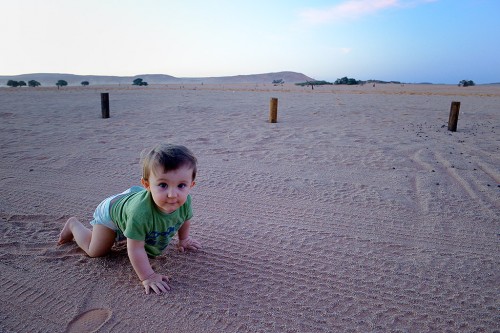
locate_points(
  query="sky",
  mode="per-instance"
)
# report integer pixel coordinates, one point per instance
(412, 41)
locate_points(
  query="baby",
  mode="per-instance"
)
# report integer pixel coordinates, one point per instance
(147, 217)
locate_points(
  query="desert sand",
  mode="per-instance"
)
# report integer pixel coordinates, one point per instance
(358, 211)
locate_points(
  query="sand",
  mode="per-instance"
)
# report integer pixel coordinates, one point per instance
(357, 212)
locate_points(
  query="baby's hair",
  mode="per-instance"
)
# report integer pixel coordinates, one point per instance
(169, 157)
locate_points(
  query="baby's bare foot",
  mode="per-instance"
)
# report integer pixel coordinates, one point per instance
(66, 235)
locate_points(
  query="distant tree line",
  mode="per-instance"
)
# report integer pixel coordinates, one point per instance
(34, 83)
(344, 80)
(63, 83)
(313, 83)
(12, 83)
(381, 82)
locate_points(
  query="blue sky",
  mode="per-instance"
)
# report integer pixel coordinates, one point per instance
(438, 41)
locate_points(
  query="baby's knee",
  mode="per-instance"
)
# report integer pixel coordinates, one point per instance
(96, 254)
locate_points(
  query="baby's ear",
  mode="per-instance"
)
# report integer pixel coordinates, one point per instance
(145, 183)
(193, 183)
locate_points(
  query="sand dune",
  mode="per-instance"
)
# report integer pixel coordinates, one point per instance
(50, 79)
(358, 211)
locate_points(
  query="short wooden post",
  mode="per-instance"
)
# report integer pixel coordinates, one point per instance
(105, 105)
(273, 110)
(453, 121)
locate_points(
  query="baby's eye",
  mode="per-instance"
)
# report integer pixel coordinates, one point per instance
(181, 186)
(163, 185)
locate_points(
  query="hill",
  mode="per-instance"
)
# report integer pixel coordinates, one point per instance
(50, 79)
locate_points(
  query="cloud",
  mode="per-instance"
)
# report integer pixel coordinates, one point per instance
(353, 9)
(345, 50)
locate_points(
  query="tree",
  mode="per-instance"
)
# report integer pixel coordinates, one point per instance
(12, 83)
(352, 82)
(85, 83)
(21, 84)
(139, 82)
(280, 81)
(33, 83)
(466, 83)
(61, 83)
(346, 80)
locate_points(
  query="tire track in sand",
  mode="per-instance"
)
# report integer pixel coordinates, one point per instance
(442, 177)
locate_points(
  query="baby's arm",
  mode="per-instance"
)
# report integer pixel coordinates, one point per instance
(140, 262)
(186, 242)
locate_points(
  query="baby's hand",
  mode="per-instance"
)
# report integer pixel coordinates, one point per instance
(188, 244)
(156, 282)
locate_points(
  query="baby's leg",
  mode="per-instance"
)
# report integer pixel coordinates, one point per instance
(66, 235)
(96, 242)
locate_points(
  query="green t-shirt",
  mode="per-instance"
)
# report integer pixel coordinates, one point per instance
(138, 217)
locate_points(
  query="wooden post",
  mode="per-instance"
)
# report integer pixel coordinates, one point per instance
(273, 110)
(105, 105)
(453, 121)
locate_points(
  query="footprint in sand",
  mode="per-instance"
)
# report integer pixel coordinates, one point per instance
(89, 321)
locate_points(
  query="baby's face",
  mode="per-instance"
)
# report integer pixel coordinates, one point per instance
(169, 189)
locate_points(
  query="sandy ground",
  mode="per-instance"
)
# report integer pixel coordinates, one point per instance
(357, 212)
